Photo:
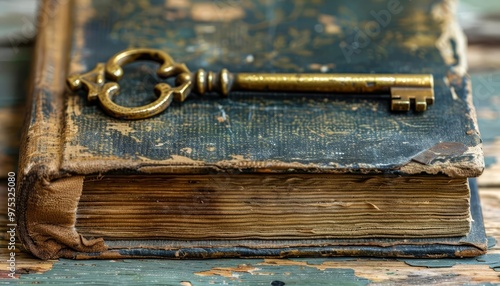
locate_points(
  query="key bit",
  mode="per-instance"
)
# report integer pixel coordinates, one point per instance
(403, 88)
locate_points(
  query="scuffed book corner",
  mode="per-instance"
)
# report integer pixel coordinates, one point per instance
(440, 159)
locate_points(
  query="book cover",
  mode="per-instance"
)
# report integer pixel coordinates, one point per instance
(67, 140)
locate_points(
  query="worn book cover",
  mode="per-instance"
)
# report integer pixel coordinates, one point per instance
(96, 186)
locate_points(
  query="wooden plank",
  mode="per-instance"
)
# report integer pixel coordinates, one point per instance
(265, 272)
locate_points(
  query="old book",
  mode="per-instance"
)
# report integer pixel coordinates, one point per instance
(258, 173)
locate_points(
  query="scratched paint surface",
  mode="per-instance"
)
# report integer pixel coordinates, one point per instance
(492, 260)
(323, 131)
(331, 271)
(208, 272)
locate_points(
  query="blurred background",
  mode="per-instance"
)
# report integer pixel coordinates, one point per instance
(479, 19)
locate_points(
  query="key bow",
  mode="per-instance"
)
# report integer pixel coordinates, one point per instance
(94, 83)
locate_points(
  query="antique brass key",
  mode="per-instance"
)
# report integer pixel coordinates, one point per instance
(403, 88)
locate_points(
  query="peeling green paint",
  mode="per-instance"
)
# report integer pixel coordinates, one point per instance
(184, 272)
(492, 260)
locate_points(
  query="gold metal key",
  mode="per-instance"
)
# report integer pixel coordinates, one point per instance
(403, 88)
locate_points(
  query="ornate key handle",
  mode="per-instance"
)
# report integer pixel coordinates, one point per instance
(93, 82)
(404, 89)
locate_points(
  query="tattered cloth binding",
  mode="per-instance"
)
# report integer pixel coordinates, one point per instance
(257, 174)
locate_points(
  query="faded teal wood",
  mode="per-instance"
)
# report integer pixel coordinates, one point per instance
(174, 272)
(238, 271)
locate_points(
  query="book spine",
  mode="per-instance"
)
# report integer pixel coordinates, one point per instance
(41, 144)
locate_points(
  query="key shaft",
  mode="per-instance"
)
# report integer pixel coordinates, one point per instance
(404, 88)
(341, 83)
